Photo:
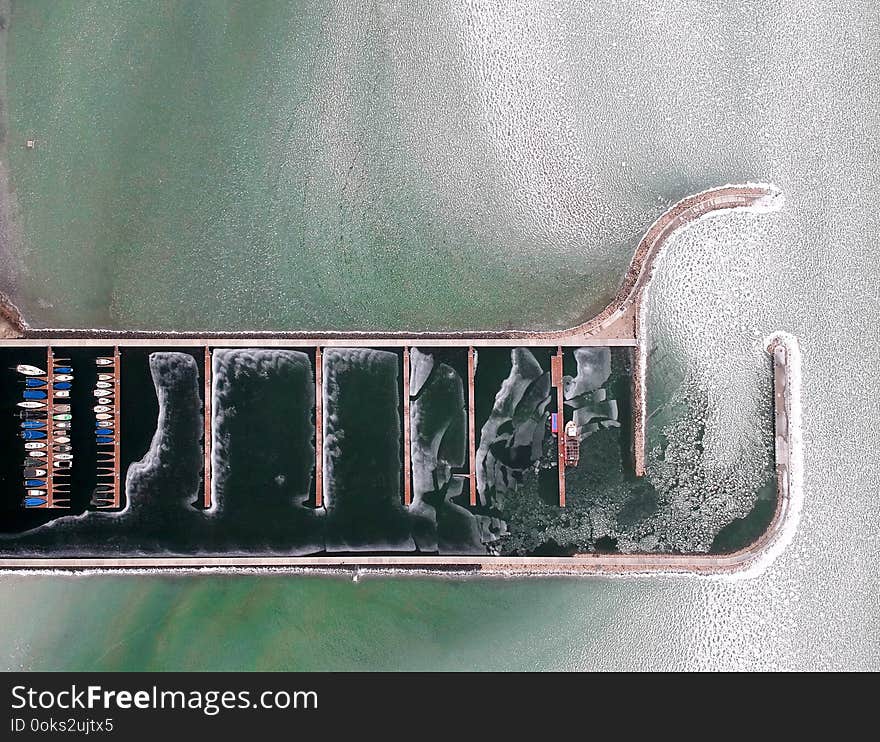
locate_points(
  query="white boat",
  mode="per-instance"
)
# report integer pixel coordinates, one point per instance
(36, 493)
(64, 377)
(32, 445)
(62, 464)
(102, 408)
(61, 439)
(103, 416)
(103, 361)
(105, 377)
(63, 456)
(24, 368)
(62, 408)
(102, 392)
(31, 405)
(104, 401)
(62, 393)
(103, 385)
(37, 454)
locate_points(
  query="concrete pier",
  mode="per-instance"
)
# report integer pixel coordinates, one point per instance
(208, 439)
(472, 434)
(556, 382)
(319, 429)
(407, 461)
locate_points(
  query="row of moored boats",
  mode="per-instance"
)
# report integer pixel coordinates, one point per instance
(46, 420)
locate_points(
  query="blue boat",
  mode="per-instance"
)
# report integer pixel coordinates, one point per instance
(34, 482)
(34, 394)
(64, 369)
(32, 502)
(32, 382)
(104, 431)
(33, 435)
(62, 385)
(104, 439)
(34, 424)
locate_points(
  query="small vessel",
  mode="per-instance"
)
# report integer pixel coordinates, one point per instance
(34, 445)
(104, 431)
(103, 385)
(62, 449)
(62, 394)
(63, 456)
(105, 377)
(36, 455)
(62, 439)
(33, 424)
(62, 408)
(34, 382)
(34, 482)
(102, 408)
(105, 401)
(65, 416)
(36, 493)
(62, 385)
(103, 416)
(102, 392)
(62, 426)
(27, 370)
(103, 361)
(63, 464)
(33, 435)
(104, 439)
(64, 377)
(63, 370)
(33, 471)
(34, 502)
(31, 405)
(104, 424)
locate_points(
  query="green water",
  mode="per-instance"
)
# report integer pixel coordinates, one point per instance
(215, 166)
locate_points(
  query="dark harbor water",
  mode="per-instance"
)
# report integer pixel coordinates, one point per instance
(263, 439)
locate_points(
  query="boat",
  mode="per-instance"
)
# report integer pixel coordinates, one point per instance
(62, 449)
(62, 439)
(63, 464)
(34, 482)
(36, 454)
(64, 377)
(62, 408)
(63, 370)
(105, 401)
(104, 439)
(102, 408)
(36, 492)
(103, 385)
(33, 424)
(104, 431)
(105, 377)
(65, 394)
(572, 443)
(65, 416)
(33, 394)
(103, 416)
(103, 361)
(33, 445)
(34, 382)
(34, 502)
(31, 405)
(104, 424)
(62, 385)
(102, 392)
(63, 456)
(33, 471)
(33, 435)
(27, 370)
(62, 426)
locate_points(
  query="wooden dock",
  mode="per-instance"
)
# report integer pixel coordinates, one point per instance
(407, 474)
(208, 435)
(319, 428)
(50, 429)
(472, 434)
(556, 381)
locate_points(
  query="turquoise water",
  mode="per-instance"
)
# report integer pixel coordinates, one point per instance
(467, 167)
